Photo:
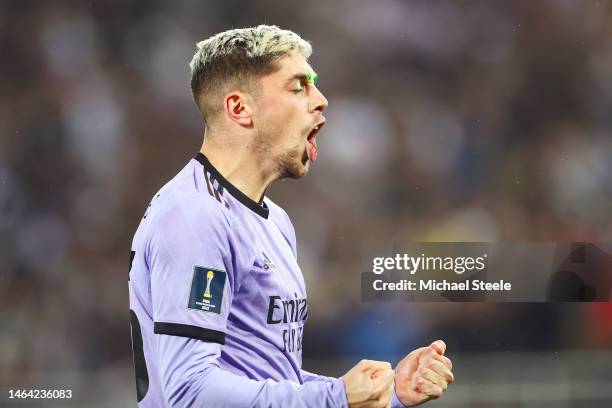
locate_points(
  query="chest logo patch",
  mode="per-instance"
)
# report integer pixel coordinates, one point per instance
(268, 264)
(207, 289)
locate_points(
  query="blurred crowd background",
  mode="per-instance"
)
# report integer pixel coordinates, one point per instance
(448, 121)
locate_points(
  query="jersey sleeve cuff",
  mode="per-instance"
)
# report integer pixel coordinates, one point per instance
(186, 330)
(339, 393)
(395, 402)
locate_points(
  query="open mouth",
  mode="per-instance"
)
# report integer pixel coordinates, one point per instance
(312, 150)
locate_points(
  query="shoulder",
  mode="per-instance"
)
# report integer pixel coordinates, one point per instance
(184, 201)
(192, 214)
(195, 229)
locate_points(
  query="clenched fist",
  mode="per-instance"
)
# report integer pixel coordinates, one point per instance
(423, 374)
(369, 384)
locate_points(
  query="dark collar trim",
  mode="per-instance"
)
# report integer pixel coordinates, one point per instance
(261, 210)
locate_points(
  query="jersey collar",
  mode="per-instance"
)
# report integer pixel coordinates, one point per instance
(260, 209)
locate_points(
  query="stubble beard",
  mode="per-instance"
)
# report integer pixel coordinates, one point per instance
(293, 164)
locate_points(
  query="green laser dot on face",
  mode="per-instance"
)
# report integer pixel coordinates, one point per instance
(311, 77)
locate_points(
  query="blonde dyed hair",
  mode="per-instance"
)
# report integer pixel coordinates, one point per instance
(237, 58)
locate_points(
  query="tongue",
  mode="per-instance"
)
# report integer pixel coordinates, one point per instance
(312, 150)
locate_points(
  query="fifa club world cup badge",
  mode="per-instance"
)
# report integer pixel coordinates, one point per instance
(207, 289)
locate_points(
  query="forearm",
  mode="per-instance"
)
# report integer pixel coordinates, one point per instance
(218, 388)
(199, 382)
(309, 377)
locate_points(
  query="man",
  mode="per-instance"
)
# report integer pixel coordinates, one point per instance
(218, 301)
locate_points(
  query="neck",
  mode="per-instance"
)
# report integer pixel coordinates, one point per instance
(239, 164)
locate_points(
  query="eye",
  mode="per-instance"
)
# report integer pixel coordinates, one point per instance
(298, 87)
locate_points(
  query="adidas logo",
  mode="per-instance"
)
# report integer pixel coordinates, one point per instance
(268, 264)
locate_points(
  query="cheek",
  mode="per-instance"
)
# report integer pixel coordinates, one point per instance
(281, 123)
(273, 118)
(285, 123)
(285, 109)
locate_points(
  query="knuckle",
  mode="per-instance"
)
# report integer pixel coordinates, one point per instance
(427, 356)
(377, 393)
(449, 363)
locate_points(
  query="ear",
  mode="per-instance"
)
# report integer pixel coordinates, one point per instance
(238, 107)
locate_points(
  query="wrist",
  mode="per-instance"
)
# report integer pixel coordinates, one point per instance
(338, 390)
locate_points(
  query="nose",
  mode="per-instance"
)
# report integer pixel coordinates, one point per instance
(319, 101)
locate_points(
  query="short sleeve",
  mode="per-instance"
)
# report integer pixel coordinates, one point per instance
(194, 265)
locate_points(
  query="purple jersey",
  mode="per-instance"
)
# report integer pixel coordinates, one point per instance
(218, 301)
